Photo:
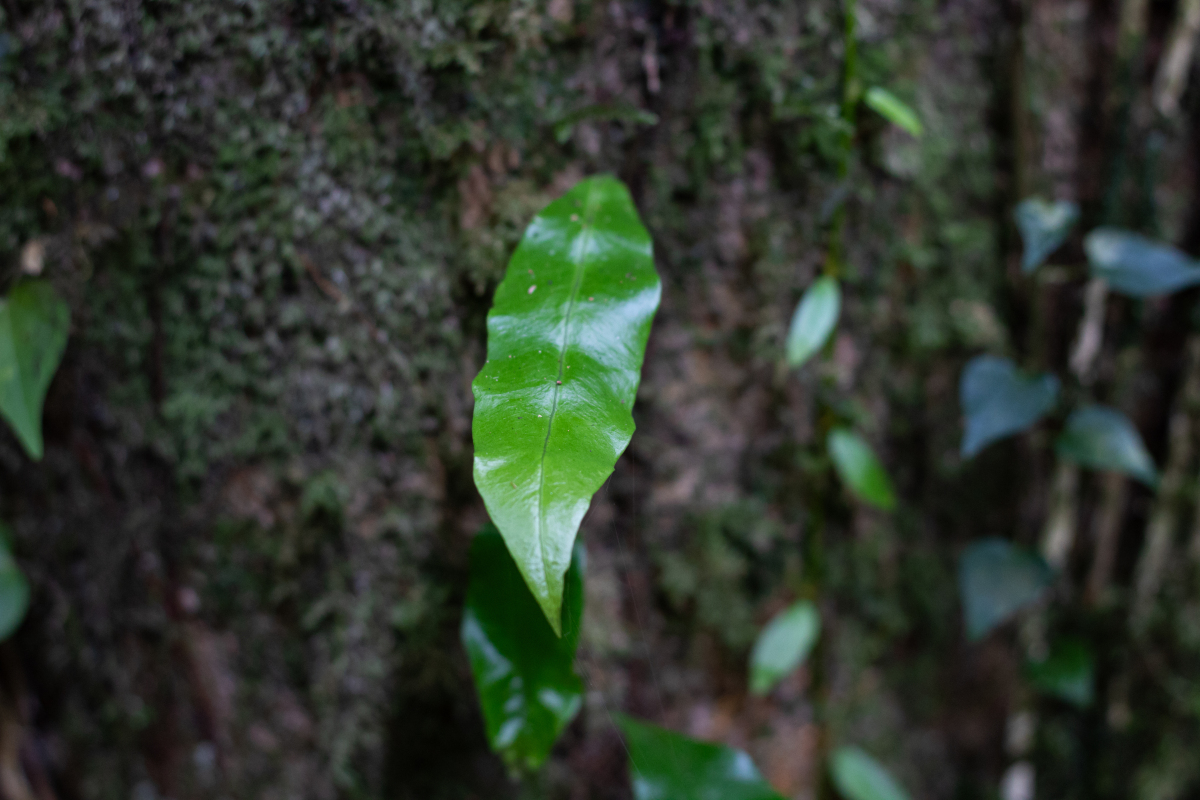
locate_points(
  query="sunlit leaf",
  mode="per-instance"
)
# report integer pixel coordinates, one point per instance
(998, 400)
(668, 766)
(997, 579)
(1137, 266)
(857, 776)
(33, 334)
(1044, 227)
(566, 337)
(1068, 673)
(1104, 438)
(814, 320)
(783, 645)
(859, 469)
(894, 110)
(14, 588)
(523, 672)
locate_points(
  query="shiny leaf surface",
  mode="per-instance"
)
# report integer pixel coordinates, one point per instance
(859, 469)
(1104, 438)
(1136, 266)
(1044, 227)
(894, 110)
(857, 776)
(523, 672)
(1068, 673)
(33, 335)
(566, 336)
(996, 580)
(998, 400)
(783, 645)
(815, 318)
(668, 766)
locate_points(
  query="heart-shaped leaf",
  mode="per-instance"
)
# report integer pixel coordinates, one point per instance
(997, 579)
(859, 469)
(1068, 673)
(667, 766)
(33, 334)
(1044, 227)
(1104, 438)
(894, 110)
(783, 645)
(998, 400)
(857, 776)
(566, 336)
(815, 318)
(523, 672)
(1136, 266)
(14, 588)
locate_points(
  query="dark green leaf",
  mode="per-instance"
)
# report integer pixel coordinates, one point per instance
(603, 112)
(14, 589)
(667, 766)
(997, 579)
(1044, 227)
(860, 470)
(523, 672)
(894, 110)
(998, 400)
(1137, 266)
(814, 320)
(566, 337)
(1103, 438)
(33, 335)
(1068, 673)
(857, 776)
(783, 645)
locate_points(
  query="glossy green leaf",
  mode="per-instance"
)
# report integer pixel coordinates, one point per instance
(1068, 673)
(523, 672)
(815, 318)
(1136, 266)
(566, 336)
(14, 589)
(996, 580)
(33, 335)
(857, 776)
(668, 766)
(1044, 227)
(859, 469)
(1104, 438)
(783, 645)
(998, 400)
(894, 110)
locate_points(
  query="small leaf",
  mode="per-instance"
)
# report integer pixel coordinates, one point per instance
(859, 469)
(998, 400)
(783, 645)
(894, 110)
(33, 335)
(997, 579)
(1104, 438)
(14, 589)
(814, 320)
(1136, 266)
(603, 112)
(1044, 227)
(1068, 673)
(857, 776)
(553, 402)
(667, 766)
(523, 672)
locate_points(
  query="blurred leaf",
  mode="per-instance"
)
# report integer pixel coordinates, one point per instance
(667, 766)
(857, 776)
(998, 400)
(1103, 438)
(997, 579)
(894, 110)
(14, 588)
(1136, 266)
(523, 672)
(1068, 673)
(1044, 227)
(33, 335)
(815, 318)
(859, 469)
(603, 112)
(783, 645)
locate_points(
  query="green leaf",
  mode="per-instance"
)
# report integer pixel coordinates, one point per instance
(1104, 438)
(783, 645)
(604, 112)
(523, 672)
(1044, 227)
(997, 579)
(14, 589)
(566, 337)
(859, 469)
(1136, 266)
(857, 776)
(894, 110)
(1068, 673)
(33, 335)
(998, 400)
(814, 320)
(667, 766)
